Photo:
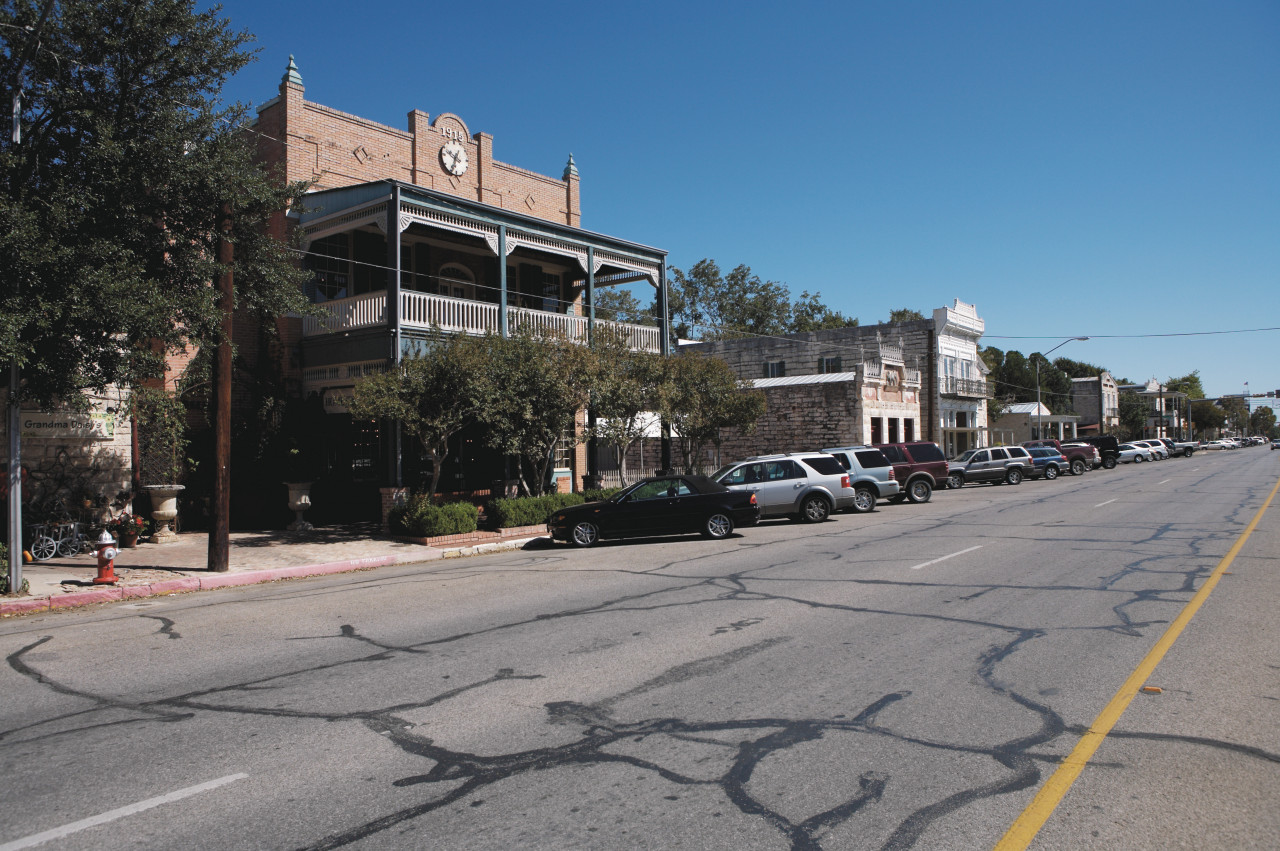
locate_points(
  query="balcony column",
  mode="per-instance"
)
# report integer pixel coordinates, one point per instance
(396, 471)
(593, 464)
(664, 322)
(502, 281)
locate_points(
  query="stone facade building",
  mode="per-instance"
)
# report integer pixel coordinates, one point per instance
(946, 404)
(1097, 401)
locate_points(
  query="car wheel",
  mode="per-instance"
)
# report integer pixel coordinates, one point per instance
(585, 534)
(919, 491)
(718, 526)
(1187, 453)
(864, 500)
(1108, 463)
(1138, 459)
(1051, 472)
(815, 509)
(955, 481)
(1014, 476)
(1078, 467)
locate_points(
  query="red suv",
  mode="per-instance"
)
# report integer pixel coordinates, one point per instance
(919, 467)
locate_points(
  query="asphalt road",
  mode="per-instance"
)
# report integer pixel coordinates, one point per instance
(904, 679)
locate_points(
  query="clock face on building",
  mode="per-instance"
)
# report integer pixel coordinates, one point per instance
(453, 158)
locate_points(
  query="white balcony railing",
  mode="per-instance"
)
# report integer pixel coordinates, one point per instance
(423, 311)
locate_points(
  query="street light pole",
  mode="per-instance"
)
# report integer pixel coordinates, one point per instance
(1039, 416)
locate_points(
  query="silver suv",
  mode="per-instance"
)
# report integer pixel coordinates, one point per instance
(870, 473)
(804, 486)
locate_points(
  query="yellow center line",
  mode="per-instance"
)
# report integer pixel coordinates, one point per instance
(1028, 824)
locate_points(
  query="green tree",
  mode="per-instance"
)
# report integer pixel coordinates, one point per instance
(1189, 384)
(433, 394)
(708, 305)
(905, 314)
(1236, 413)
(808, 313)
(700, 397)
(620, 305)
(1132, 414)
(624, 395)
(1206, 416)
(1079, 369)
(110, 219)
(529, 389)
(1262, 421)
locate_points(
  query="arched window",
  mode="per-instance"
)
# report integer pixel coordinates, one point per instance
(457, 281)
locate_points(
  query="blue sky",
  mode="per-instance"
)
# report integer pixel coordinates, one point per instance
(1084, 168)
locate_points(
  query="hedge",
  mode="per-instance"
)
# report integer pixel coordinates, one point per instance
(421, 518)
(530, 510)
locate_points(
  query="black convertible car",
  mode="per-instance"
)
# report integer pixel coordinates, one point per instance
(663, 505)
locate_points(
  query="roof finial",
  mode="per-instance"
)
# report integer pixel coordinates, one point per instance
(291, 74)
(570, 170)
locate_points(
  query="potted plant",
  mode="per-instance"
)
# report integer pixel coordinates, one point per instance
(126, 528)
(302, 453)
(160, 421)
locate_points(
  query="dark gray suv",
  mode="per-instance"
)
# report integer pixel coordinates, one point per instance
(995, 464)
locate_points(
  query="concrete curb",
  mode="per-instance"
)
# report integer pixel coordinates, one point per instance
(208, 582)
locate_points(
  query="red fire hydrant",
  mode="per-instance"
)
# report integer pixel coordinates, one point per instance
(106, 553)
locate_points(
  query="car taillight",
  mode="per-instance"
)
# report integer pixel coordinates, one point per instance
(844, 482)
(892, 475)
(753, 497)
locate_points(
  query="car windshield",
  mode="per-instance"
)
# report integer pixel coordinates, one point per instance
(715, 477)
(966, 455)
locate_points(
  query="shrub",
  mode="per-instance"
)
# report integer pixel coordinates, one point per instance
(419, 517)
(530, 510)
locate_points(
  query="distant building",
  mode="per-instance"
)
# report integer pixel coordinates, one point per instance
(951, 408)
(1034, 421)
(1097, 401)
(1166, 409)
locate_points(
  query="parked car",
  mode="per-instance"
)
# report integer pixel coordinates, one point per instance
(804, 486)
(1082, 456)
(919, 468)
(1183, 448)
(1106, 445)
(870, 473)
(1217, 445)
(996, 464)
(1158, 449)
(1129, 453)
(660, 505)
(1048, 463)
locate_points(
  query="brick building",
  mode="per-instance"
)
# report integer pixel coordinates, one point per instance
(480, 246)
(940, 394)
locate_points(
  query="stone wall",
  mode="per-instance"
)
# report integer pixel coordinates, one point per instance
(91, 476)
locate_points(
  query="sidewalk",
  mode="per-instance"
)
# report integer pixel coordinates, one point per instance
(267, 556)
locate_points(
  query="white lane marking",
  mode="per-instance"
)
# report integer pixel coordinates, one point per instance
(112, 815)
(914, 567)
(1195, 469)
(1165, 482)
(1099, 505)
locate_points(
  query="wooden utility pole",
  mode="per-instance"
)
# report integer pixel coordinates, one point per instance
(220, 521)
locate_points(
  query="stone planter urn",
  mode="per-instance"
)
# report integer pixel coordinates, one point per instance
(164, 498)
(299, 502)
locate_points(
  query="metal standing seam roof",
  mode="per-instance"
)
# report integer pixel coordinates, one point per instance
(790, 380)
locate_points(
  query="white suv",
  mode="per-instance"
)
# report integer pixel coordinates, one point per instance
(804, 486)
